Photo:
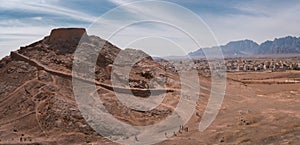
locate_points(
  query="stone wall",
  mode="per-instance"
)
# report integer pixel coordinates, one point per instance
(66, 34)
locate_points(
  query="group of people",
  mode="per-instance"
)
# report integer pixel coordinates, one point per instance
(181, 129)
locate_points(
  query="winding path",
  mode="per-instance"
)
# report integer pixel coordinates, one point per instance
(17, 56)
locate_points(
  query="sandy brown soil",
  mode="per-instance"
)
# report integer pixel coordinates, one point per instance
(252, 113)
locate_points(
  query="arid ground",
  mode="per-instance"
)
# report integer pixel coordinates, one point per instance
(257, 109)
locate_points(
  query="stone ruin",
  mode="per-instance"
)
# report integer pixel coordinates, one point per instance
(61, 38)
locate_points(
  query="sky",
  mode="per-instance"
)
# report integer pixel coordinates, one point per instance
(24, 22)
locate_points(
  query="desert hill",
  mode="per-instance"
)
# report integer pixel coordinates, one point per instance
(36, 96)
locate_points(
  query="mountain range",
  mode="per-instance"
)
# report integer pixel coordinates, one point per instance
(247, 48)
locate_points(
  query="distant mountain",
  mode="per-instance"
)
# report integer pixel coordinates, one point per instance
(286, 45)
(244, 48)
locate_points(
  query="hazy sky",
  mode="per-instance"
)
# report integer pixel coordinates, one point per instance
(23, 22)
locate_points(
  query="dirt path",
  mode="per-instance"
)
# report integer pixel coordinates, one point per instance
(18, 56)
(16, 90)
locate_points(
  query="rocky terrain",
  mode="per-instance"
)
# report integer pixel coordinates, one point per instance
(37, 102)
(36, 97)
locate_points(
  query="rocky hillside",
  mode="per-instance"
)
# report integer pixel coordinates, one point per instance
(37, 104)
(246, 48)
